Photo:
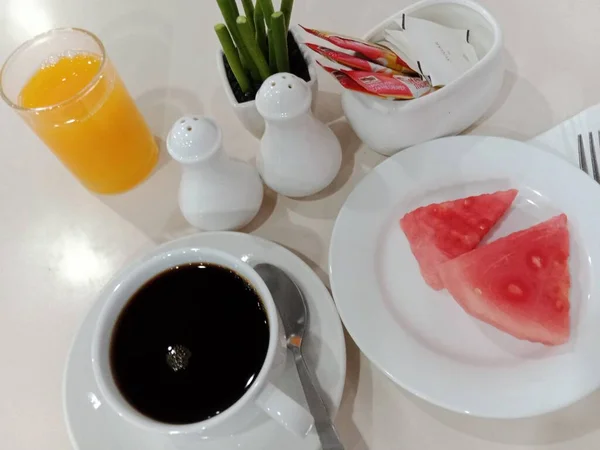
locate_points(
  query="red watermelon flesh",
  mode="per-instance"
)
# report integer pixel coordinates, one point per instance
(519, 284)
(440, 232)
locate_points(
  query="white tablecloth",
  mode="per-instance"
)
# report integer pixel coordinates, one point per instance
(60, 244)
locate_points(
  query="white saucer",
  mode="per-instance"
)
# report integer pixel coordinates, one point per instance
(93, 425)
(421, 338)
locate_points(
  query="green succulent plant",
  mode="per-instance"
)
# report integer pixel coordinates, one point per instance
(255, 44)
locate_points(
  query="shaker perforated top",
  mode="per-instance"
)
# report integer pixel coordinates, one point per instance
(283, 96)
(193, 139)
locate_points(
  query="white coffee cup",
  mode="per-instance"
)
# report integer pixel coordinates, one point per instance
(262, 394)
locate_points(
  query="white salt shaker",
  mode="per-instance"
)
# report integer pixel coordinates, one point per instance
(299, 155)
(216, 192)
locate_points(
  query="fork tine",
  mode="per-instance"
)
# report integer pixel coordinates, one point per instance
(595, 170)
(582, 159)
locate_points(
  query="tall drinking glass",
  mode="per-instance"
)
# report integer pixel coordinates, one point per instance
(66, 89)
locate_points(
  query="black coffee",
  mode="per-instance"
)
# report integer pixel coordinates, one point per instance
(189, 343)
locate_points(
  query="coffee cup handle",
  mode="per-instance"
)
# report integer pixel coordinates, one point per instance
(287, 412)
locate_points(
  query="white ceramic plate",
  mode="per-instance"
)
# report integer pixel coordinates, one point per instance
(94, 426)
(421, 338)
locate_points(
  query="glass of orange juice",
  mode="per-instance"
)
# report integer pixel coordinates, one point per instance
(67, 90)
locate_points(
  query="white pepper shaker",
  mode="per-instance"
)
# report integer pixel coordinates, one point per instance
(299, 155)
(216, 192)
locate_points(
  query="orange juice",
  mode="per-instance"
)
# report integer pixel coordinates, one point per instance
(84, 113)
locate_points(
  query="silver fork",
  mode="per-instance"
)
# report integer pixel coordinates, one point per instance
(583, 158)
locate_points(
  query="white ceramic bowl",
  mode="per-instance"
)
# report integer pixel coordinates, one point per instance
(389, 126)
(246, 111)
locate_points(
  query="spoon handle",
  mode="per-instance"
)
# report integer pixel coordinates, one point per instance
(325, 429)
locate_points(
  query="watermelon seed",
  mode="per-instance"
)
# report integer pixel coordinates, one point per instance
(537, 261)
(514, 289)
(484, 224)
(478, 291)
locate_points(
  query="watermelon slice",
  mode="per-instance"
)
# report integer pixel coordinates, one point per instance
(519, 284)
(440, 232)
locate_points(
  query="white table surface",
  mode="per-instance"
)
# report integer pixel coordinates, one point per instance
(60, 244)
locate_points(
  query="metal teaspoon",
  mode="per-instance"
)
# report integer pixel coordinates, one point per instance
(293, 310)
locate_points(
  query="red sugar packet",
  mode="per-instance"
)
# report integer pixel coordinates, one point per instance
(376, 53)
(344, 79)
(351, 61)
(396, 87)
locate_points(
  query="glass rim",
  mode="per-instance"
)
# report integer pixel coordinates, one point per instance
(28, 43)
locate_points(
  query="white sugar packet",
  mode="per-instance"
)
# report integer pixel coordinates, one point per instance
(440, 53)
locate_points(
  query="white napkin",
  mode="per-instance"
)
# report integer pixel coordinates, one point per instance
(440, 53)
(562, 139)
